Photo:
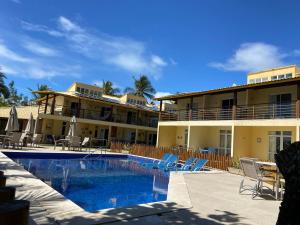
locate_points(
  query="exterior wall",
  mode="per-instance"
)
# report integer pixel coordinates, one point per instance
(23, 111)
(254, 141)
(167, 136)
(276, 71)
(250, 97)
(261, 96)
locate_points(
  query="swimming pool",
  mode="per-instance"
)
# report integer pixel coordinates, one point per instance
(99, 181)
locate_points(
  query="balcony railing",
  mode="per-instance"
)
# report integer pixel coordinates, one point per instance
(261, 111)
(108, 116)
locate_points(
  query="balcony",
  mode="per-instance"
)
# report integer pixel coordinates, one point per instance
(99, 115)
(252, 112)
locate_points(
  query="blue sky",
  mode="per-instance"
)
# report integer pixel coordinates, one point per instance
(181, 45)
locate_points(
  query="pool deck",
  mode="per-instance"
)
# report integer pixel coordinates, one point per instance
(200, 198)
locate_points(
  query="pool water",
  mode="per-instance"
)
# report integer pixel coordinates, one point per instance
(100, 183)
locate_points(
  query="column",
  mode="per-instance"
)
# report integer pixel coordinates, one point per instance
(234, 105)
(136, 135)
(188, 138)
(160, 109)
(298, 102)
(47, 99)
(53, 104)
(297, 133)
(232, 140)
(191, 109)
(109, 136)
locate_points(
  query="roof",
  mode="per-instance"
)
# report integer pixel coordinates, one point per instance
(266, 84)
(105, 98)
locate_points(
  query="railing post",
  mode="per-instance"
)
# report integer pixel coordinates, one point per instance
(190, 114)
(298, 109)
(253, 112)
(273, 111)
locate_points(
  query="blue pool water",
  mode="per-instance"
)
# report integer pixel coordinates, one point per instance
(101, 182)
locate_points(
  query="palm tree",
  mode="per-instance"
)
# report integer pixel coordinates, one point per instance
(142, 87)
(40, 87)
(108, 88)
(4, 91)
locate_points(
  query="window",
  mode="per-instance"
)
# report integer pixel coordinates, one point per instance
(82, 90)
(274, 77)
(278, 140)
(264, 79)
(78, 89)
(225, 142)
(258, 80)
(289, 75)
(251, 81)
(91, 92)
(86, 91)
(281, 76)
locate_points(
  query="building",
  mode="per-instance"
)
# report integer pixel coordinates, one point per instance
(254, 120)
(284, 72)
(126, 118)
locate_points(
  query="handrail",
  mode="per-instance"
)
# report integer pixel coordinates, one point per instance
(240, 112)
(121, 117)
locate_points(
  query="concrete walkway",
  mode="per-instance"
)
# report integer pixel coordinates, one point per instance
(216, 201)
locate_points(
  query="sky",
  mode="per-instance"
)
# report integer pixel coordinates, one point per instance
(180, 45)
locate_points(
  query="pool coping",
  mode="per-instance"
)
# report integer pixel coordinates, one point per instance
(59, 210)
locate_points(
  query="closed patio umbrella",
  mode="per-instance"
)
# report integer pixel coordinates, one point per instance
(36, 125)
(12, 122)
(72, 128)
(30, 125)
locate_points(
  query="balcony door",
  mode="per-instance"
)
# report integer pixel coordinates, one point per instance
(280, 106)
(227, 105)
(131, 117)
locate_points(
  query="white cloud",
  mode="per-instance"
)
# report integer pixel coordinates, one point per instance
(18, 65)
(161, 94)
(11, 55)
(123, 53)
(40, 49)
(40, 28)
(252, 57)
(68, 25)
(156, 60)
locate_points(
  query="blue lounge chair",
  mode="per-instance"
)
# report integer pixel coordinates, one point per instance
(157, 162)
(171, 162)
(186, 166)
(199, 165)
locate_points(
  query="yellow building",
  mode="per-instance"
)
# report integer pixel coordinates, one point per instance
(251, 120)
(279, 73)
(127, 118)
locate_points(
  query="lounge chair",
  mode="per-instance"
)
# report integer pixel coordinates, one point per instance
(157, 162)
(171, 162)
(63, 142)
(14, 140)
(199, 165)
(186, 166)
(86, 142)
(74, 142)
(36, 140)
(252, 173)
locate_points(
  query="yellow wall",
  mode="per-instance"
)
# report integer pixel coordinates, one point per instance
(22, 111)
(254, 141)
(276, 71)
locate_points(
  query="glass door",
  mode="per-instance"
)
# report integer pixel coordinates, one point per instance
(225, 142)
(278, 140)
